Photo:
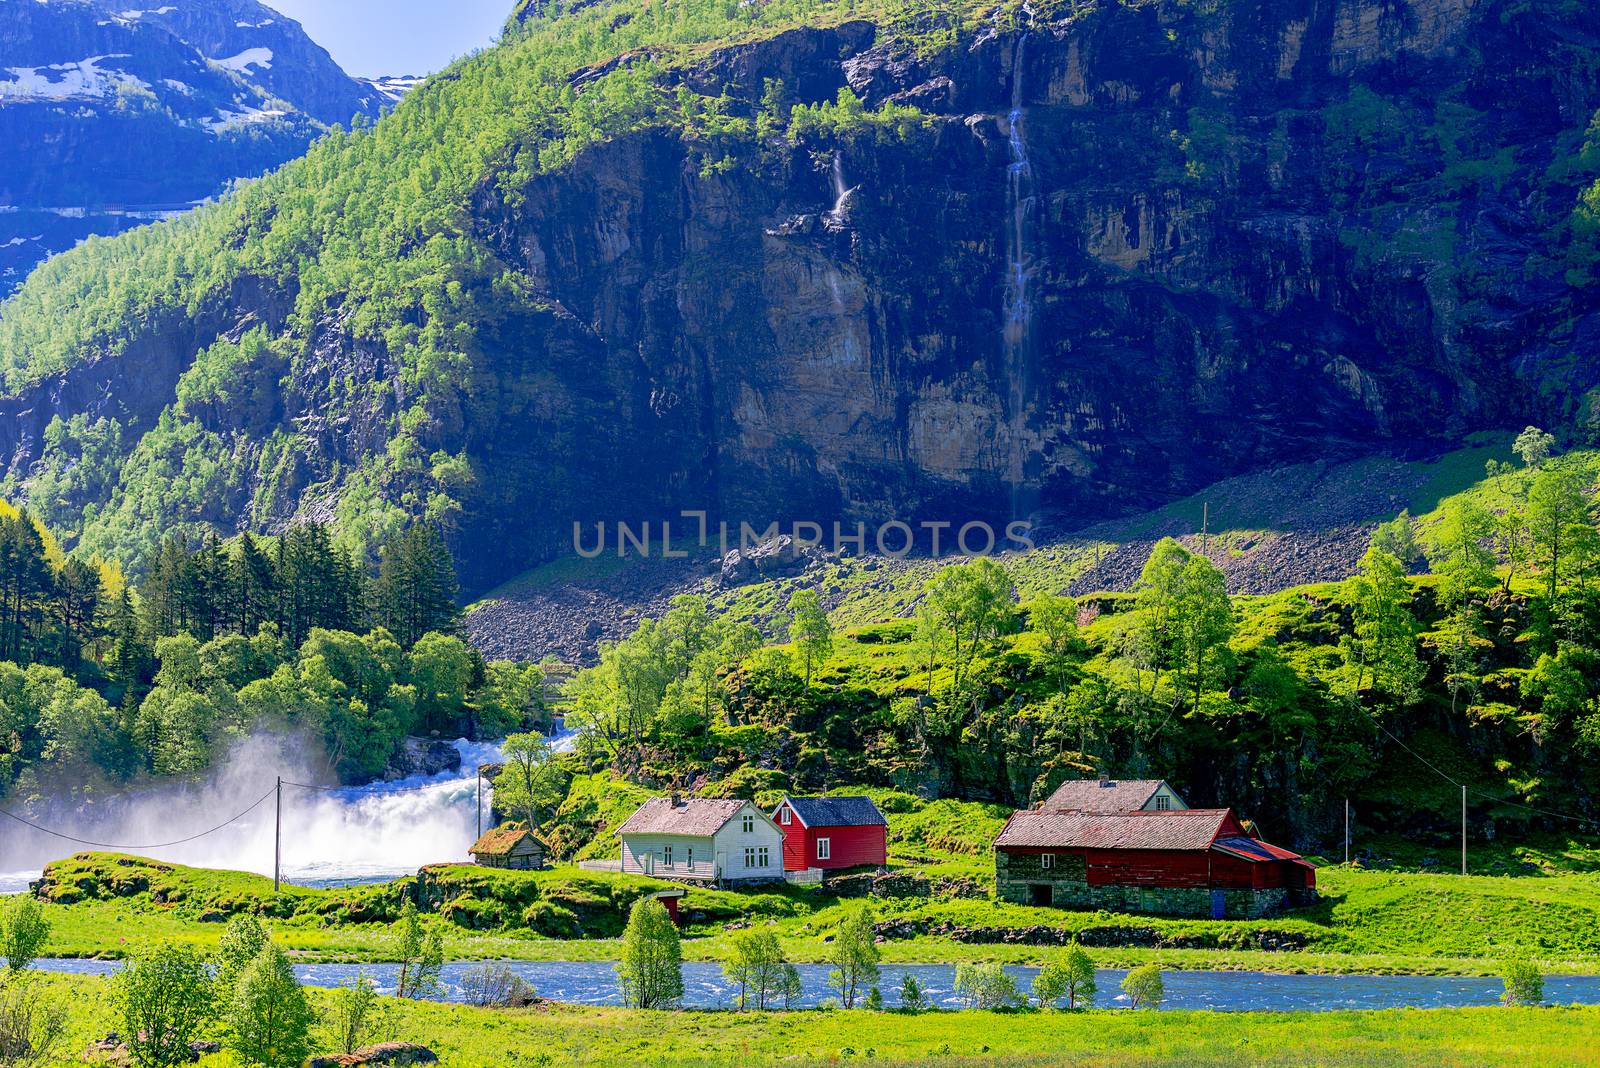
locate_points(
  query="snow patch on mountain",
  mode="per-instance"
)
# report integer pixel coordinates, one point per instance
(393, 89)
(67, 81)
(226, 119)
(246, 60)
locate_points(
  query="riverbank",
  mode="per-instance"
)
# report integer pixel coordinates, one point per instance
(555, 1036)
(102, 906)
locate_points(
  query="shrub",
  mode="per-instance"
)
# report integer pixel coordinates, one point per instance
(986, 986)
(496, 986)
(1145, 987)
(31, 1027)
(23, 934)
(1524, 983)
(269, 1016)
(912, 999)
(552, 920)
(353, 1017)
(164, 997)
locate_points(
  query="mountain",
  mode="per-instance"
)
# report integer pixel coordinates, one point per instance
(806, 261)
(111, 116)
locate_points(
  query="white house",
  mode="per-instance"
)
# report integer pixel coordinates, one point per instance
(702, 839)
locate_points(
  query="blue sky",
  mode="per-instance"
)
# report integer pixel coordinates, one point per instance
(375, 37)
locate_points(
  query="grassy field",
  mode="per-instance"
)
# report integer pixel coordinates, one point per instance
(551, 1036)
(1368, 921)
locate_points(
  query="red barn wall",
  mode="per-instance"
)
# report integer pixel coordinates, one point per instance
(1147, 867)
(853, 847)
(796, 846)
(850, 847)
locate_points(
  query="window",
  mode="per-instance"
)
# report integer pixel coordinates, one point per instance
(1047, 861)
(689, 860)
(1163, 803)
(824, 848)
(784, 816)
(666, 855)
(756, 857)
(749, 823)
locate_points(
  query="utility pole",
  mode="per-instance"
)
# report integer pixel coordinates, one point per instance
(277, 840)
(1347, 832)
(480, 800)
(1463, 830)
(1205, 526)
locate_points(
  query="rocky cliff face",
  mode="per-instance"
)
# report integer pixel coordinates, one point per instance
(112, 116)
(1135, 252)
(1128, 253)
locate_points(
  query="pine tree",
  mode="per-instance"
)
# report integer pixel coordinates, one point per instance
(416, 590)
(27, 586)
(252, 587)
(77, 609)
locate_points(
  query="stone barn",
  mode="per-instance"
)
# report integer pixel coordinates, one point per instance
(1189, 862)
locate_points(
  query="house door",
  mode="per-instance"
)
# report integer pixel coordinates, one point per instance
(647, 862)
(1219, 905)
(1043, 895)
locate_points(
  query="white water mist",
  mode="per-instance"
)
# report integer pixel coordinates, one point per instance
(332, 834)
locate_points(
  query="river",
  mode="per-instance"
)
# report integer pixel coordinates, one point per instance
(595, 983)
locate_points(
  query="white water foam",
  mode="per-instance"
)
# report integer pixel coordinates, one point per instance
(330, 835)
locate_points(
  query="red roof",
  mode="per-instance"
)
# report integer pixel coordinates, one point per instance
(1102, 795)
(1183, 829)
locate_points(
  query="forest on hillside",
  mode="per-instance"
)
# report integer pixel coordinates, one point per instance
(102, 682)
(1465, 651)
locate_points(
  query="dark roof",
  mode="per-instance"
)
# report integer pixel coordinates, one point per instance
(836, 811)
(502, 840)
(1181, 829)
(696, 817)
(1102, 795)
(1254, 849)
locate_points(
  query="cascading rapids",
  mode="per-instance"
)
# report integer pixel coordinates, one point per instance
(330, 836)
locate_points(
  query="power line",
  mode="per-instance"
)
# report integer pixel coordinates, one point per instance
(318, 789)
(158, 845)
(1479, 793)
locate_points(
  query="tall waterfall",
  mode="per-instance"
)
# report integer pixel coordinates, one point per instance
(1017, 323)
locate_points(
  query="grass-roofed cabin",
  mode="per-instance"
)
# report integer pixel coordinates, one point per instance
(510, 846)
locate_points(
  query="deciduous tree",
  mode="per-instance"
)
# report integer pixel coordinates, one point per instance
(650, 968)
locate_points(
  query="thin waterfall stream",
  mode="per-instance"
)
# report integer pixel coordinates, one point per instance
(1017, 321)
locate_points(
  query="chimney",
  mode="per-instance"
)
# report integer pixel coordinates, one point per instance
(677, 801)
(1105, 780)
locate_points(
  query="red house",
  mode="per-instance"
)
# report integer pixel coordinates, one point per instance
(832, 833)
(1192, 862)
